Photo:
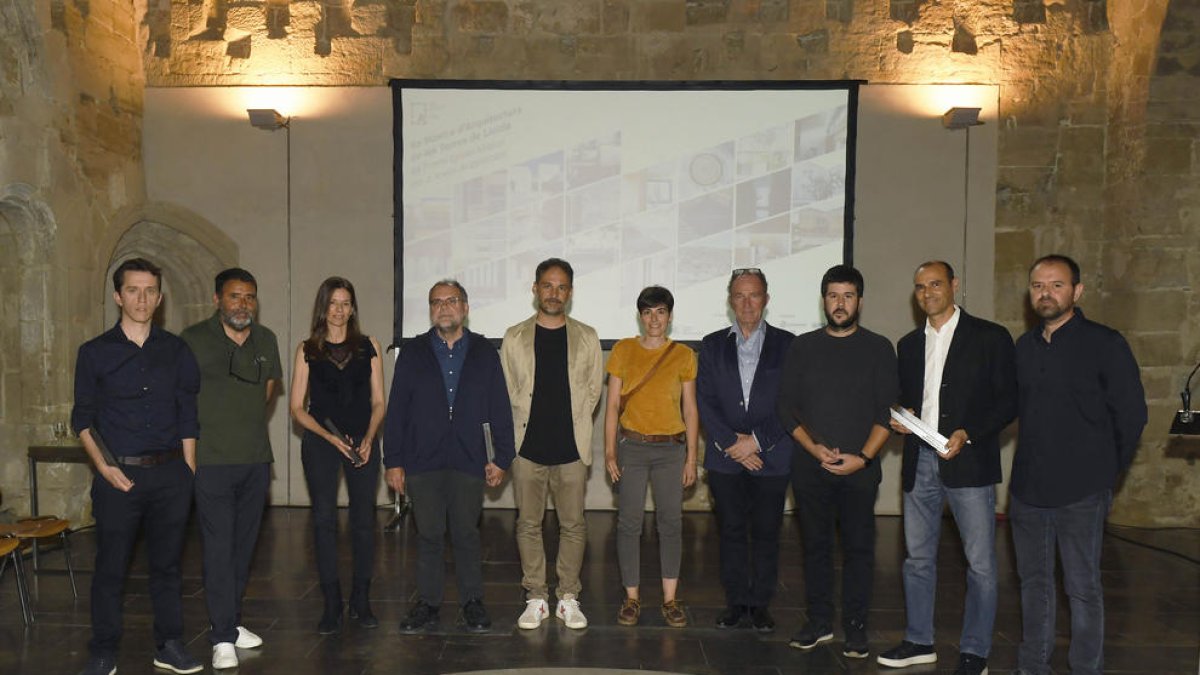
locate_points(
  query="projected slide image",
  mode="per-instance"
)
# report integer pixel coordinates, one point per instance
(593, 205)
(766, 151)
(706, 170)
(594, 250)
(594, 160)
(704, 260)
(821, 134)
(536, 180)
(756, 244)
(706, 215)
(813, 182)
(648, 233)
(427, 217)
(481, 197)
(814, 227)
(656, 269)
(628, 190)
(648, 189)
(764, 197)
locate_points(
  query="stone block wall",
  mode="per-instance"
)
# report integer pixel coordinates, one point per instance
(1099, 138)
(71, 85)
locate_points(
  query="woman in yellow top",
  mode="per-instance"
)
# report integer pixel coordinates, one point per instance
(650, 437)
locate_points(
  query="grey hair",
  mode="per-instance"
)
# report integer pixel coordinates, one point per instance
(452, 283)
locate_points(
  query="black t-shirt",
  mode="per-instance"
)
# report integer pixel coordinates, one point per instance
(550, 433)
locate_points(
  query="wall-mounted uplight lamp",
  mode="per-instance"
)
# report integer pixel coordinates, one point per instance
(267, 119)
(953, 120)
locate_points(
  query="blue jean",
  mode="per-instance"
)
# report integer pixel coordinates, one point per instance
(1078, 531)
(974, 510)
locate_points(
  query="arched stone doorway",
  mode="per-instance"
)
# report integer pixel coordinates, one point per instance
(188, 270)
(35, 383)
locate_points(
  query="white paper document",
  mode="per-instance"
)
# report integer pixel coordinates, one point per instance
(923, 431)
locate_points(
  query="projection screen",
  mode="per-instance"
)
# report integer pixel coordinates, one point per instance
(633, 183)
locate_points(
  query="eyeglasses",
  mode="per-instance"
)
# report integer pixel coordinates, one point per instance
(239, 371)
(452, 301)
(741, 271)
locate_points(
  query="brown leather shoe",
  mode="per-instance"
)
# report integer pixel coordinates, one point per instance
(672, 611)
(630, 611)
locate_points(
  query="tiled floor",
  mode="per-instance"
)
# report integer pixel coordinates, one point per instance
(1153, 606)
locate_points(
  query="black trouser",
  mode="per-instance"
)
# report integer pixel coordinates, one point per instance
(824, 501)
(229, 508)
(749, 514)
(159, 502)
(444, 500)
(322, 463)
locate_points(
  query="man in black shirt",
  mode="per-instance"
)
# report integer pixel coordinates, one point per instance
(552, 365)
(1082, 410)
(838, 385)
(135, 393)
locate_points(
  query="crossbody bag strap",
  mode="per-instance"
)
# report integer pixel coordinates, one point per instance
(645, 378)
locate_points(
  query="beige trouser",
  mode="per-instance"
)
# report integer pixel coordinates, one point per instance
(565, 483)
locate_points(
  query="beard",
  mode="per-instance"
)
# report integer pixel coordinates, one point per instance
(1050, 310)
(551, 308)
(237, 320)
(847, 322)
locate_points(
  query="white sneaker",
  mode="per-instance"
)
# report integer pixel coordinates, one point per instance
(568, 611)
(536, 611)
(224, 656)
(246, 639)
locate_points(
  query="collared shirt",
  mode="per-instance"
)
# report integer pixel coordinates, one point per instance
(1081, 409)
(450, 360)
(233, 393)
(748, 351)
(140, 400)
(937, 345)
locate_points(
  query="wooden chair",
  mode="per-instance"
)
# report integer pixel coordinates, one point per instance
(10, 550)
(31, 530)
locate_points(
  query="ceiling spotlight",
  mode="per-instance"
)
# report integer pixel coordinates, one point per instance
(267, 119)
(961, 118)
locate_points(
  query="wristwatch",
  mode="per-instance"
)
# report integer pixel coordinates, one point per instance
(866, 460)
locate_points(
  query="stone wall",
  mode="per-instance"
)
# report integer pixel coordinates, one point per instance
(71, 84)
(1098, 145)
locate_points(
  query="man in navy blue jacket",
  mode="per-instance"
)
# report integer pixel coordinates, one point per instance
(748, 456)
(434, 446)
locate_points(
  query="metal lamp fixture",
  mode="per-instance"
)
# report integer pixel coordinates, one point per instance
(267, 119)
(961, 118)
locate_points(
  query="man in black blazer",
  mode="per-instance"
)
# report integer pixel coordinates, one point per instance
(748, 455)
(958, 374)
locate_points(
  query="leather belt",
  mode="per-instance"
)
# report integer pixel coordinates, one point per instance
(653, 438)
(150, 459)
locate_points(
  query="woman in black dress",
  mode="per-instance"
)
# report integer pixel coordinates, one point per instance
(337, 396)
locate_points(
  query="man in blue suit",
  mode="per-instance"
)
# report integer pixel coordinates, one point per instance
(748, 456)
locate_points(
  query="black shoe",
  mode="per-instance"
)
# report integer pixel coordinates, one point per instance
(811, 635)
(969, 664)
(762, 620)
(331, 617)
(907, 654)
(360, 605)
(731, 617)
(475, 617)
(100, 665)
(173, 657)
(421, 617)
(856, 646)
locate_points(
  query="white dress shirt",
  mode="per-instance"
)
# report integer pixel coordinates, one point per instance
(937, 345)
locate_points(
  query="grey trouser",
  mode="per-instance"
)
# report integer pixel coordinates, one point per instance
(661, 465)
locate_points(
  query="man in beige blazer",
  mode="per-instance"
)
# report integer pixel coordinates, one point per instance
(552, 364)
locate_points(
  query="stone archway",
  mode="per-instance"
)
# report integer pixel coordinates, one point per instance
(188, 270)
(34, 384)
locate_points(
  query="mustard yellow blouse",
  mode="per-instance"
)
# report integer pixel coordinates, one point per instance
(655, 409)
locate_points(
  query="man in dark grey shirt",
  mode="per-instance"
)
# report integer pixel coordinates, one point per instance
(837, 387)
